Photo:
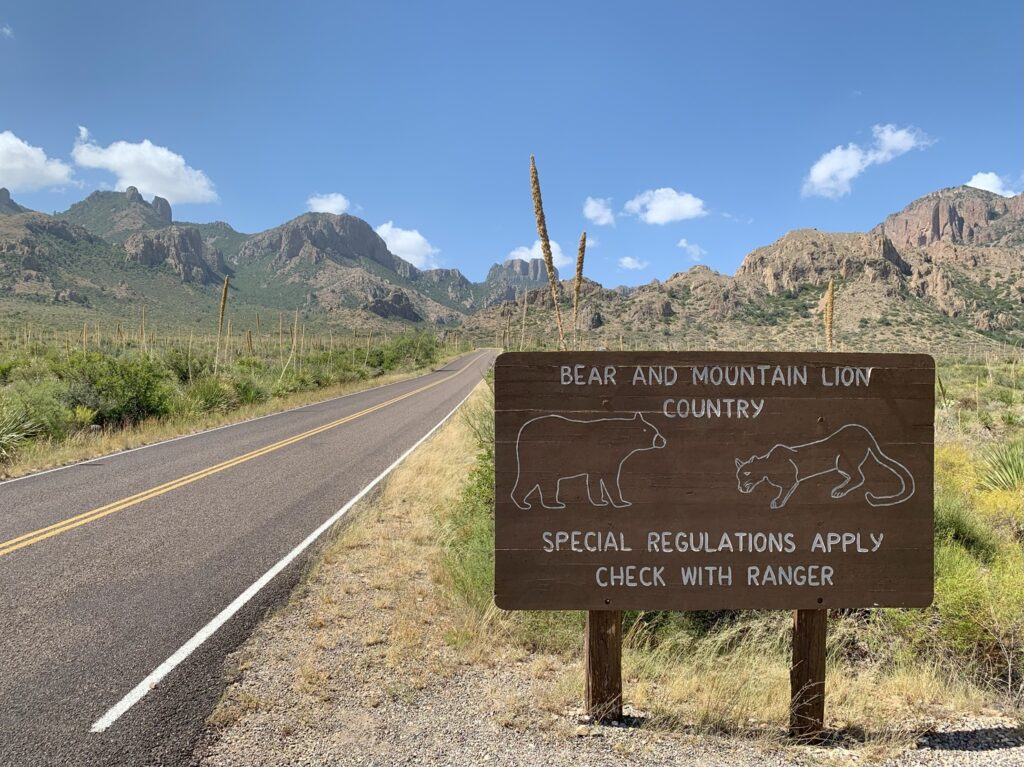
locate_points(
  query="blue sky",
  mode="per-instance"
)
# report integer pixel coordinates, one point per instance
(688, 122)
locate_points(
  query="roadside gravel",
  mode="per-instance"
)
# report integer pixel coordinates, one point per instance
(357, 670)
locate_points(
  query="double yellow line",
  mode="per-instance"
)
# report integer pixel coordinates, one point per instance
(9, 546)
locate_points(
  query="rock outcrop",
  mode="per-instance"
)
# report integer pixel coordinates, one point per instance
(9, 207)
(507, 280)
(162, 208)
(116, 215)
(318, 237)
(181, 248)
(959, 214)
(394, 305)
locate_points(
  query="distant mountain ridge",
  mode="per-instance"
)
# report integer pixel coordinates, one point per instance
(950, 265)
(333, 264)
(946, 272)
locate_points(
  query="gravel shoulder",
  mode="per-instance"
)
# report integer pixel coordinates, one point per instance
(358, 669)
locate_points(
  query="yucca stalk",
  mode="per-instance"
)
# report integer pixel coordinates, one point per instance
(522, 332)
(576, 291)
(545, 245)
(220, 322)
(830, 299)
(291, 354)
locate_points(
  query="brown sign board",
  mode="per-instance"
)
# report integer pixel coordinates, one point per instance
(713, 480)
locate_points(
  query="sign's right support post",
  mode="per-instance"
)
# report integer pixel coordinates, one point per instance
(603, 652)
(807, 674)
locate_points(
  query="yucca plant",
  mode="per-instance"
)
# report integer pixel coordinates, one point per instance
(1004, 468)
(15, 430)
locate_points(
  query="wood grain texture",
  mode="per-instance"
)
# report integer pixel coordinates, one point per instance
(647, 483)
(603, 654)
(807, 673)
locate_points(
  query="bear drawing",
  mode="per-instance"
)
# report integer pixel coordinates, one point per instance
(551, 448)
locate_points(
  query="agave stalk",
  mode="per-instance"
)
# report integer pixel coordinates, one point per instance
(576, 291)
(220, 322)
(545, 244)
(522, 332)
(830, 299)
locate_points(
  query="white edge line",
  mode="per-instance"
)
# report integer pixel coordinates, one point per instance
(161, 671)
(224, 426)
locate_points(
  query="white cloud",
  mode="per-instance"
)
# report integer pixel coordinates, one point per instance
(557, 256)
(592, 242)
(692, 249)
(628, 262)
(24, 167)
(154, 170)
(333, 202)
(992, 182)
(599, 210)
(6, 31)
(409, 244)
(665, 205)
(831, 175)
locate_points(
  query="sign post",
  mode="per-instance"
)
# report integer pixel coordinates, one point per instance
(807, 674)
(712, 481)
(603, 653)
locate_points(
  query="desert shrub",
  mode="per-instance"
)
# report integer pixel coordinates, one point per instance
(40, 403)
(210, 395)
(120, 390)
(187, 365)
(248, 391)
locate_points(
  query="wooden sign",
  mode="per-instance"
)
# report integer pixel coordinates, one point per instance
(713, 480)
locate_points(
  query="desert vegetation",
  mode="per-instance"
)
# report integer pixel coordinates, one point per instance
(69, 394)
(890, 669)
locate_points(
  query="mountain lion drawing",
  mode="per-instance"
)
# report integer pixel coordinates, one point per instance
(844, 452)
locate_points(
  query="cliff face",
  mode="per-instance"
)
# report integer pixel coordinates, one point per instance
(181, 248)
(506, 280)
(961, 215)
(9, 207)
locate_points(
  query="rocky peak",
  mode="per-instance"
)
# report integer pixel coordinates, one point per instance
(179, 247)
(162, 208)
(133, 195)
(316, 237)
(506, 280)
(959, 214)
(7, 205)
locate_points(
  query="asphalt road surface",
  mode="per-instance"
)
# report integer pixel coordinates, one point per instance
(109, 567)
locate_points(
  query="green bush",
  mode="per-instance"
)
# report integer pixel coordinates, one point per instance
(210, 395)
(120, 390)
(41, 403)
(248, 391)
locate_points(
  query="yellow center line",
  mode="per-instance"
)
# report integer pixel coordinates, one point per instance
(27, 539)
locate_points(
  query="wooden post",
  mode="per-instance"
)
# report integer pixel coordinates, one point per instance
(807, 674)
(603, 650)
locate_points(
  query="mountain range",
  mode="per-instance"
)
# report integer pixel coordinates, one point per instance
(948, 268)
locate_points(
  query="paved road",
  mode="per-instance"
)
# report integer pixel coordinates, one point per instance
(108, 567)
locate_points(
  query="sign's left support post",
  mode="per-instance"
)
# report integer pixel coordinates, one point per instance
(603, 651)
